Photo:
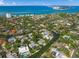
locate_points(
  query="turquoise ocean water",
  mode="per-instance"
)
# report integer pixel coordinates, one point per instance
(19, 10)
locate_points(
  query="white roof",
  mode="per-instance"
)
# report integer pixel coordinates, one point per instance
(58, 53)
(23, 49)
(12, 39)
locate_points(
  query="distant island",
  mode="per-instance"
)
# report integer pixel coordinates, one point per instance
(61, 7)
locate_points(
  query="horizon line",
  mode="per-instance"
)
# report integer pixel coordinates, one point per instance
(39, 5)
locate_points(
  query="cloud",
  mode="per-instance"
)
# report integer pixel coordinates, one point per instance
(2, 3)
(13, 3)
(10, 4)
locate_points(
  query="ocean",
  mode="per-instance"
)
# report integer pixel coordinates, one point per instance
(23, 10)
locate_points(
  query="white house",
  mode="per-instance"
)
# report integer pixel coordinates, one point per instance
(57, 53)
(47, 35)
(24, 51)
(8, 15)
(12, 39)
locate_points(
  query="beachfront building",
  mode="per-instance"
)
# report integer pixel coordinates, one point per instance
(8, 15)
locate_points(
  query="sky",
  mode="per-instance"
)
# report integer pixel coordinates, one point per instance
(39, 2)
